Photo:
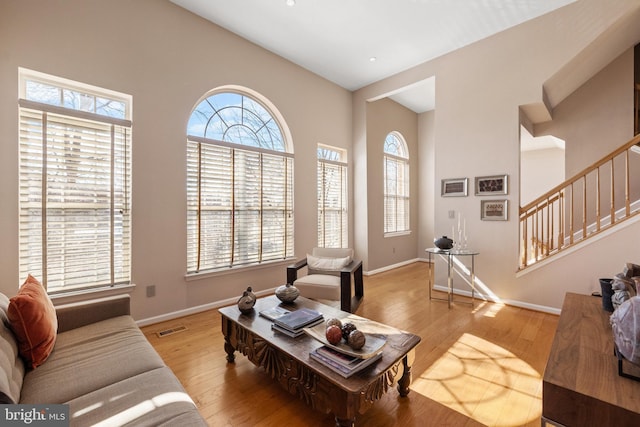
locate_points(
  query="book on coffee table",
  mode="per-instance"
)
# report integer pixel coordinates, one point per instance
(341, 363)
(274, 313)
(294, 333)
(298, 319)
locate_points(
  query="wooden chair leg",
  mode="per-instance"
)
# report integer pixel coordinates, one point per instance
(292, 275)
(345, 291)
(358, 282)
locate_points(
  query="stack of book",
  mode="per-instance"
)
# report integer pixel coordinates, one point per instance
(341, 363)
(294, 322)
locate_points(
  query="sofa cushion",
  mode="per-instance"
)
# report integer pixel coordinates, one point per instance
(89, 358)
(152, 398)
(11, 365)
(33, 321)
(319, 286)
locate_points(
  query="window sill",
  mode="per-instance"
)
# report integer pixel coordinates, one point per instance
(240, 269)
(78, 295)
(397, 234)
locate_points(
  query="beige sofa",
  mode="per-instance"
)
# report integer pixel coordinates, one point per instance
(102, 366)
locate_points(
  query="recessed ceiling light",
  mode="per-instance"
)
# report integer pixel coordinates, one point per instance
(291, 3)
(372, 59)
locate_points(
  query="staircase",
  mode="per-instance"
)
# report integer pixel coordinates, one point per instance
(596, 199)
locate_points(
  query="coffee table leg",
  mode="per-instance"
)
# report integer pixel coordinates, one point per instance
(405, 380)
(227, 331)
(231, 357)
(343, 422)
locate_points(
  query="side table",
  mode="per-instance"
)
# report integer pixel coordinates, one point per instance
(450, 255)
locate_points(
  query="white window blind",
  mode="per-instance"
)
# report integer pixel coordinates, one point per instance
(332, 199)
(239, 185)
(75, 178)
(75, 183)
(396, 184)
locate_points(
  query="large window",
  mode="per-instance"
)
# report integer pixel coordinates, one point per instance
(396, 184)
(75, 181)
(239, 184)
(332, 198)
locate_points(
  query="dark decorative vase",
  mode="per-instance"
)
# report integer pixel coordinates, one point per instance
(443, 242)
(607, 293)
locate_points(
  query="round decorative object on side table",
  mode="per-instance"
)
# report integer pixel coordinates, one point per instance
(443, 243)
(287, 293)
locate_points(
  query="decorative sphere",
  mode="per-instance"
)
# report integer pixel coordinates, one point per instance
(333, 334)
(334, 321)
(347, 328)
(356, 339)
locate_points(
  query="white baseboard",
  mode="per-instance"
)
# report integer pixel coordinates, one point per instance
(392, 266)
(198, 309)
(479, 295)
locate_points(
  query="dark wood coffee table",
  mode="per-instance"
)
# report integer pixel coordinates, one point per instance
(287, 359)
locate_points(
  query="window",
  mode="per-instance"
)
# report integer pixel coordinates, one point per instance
(75, 183)
(239, 184)
(396, 184)
(332, 198)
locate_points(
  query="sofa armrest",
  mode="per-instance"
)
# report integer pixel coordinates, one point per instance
(74, 315)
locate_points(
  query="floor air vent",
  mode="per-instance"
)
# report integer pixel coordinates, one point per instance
(171, 331)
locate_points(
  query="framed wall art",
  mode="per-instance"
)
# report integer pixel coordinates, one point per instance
(454, 187)
(489, 185)
(494, 210)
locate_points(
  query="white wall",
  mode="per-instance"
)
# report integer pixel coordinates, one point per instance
(383, 117)
(166, 58)
(426, 182)
(607, 98)
(476, 128)
(540, 171)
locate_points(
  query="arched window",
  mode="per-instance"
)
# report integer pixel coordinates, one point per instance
(239, 183)
(396, 184)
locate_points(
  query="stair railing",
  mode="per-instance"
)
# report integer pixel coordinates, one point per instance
(573, 211)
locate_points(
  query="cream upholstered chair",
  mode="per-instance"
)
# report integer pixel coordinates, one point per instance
(329, 276)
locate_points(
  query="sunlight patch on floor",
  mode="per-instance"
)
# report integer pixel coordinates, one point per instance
(485, 382)
(491, 310)
(482, 290)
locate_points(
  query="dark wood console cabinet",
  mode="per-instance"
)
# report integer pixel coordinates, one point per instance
(581, 385)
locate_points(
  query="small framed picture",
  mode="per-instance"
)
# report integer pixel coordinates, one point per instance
(489, 185)
(494, 210)
(454, 187)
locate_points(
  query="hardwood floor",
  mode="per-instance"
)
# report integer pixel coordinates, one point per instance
(474, 366)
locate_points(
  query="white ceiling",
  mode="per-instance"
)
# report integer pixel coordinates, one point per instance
(336, 39)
